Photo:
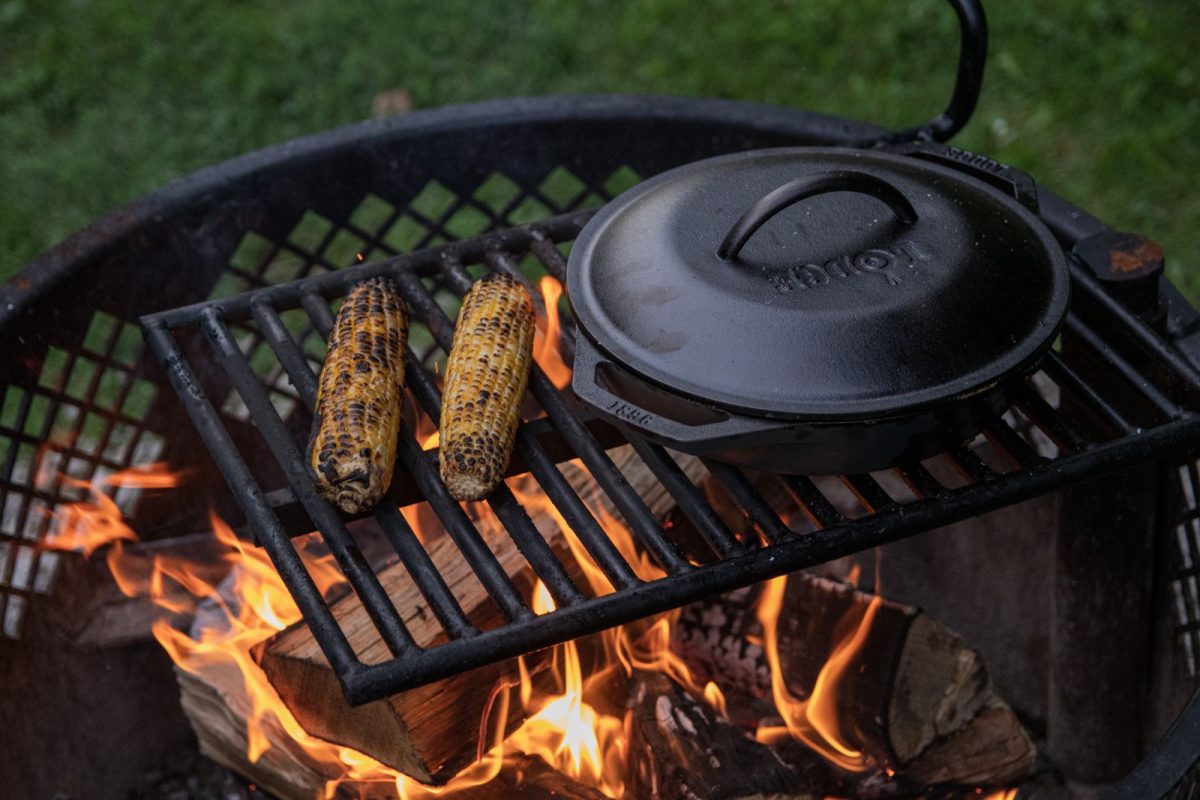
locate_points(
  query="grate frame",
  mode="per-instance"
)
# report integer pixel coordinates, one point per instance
(1100, 431)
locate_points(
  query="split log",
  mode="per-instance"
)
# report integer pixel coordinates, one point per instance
(100, 615)
(680, 749)
(218, 716)
(908, 697)
(990, 750)
(430, 732)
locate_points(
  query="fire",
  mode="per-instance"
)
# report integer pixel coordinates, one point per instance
(815, 720)
(87, 526)
(566, 731)
(569, 722)
(546, 338)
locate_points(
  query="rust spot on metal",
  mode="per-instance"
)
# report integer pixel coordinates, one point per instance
(1145, 255)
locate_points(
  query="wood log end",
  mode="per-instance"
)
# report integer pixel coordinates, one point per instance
(993, 749)
(940, 685)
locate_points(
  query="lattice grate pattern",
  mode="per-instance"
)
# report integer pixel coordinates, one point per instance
(85, 408)
(79, 417)
(1185, 582)
(377, 228)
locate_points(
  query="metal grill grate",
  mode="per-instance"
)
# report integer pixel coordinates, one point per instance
(1065, 426)
(1185, 580)
(79, 416)
(89, 405)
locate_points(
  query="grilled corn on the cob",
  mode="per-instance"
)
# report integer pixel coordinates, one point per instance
(486, 374)
(353, 446)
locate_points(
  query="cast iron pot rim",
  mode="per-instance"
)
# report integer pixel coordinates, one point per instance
(1019, 359)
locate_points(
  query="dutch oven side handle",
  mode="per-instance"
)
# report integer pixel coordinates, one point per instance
(801, 188)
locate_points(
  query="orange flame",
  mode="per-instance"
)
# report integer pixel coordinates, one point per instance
(815, 720)
(567, 725)
(566, 731)
(545, 342)
(87, 526)
(155, 475)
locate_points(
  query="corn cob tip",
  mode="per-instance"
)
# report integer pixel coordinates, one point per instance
(468, 487)
(347, 484)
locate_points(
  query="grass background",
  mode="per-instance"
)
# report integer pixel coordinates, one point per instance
(104, 100)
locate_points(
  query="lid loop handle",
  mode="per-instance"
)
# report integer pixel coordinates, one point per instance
(801, 188)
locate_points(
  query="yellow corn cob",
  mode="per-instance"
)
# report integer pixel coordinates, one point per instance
(486, 375)
(353, 445)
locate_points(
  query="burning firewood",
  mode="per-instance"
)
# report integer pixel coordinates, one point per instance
(433, 731)
(429, 732)
(681, 749)
(910, 694)
(219, 715)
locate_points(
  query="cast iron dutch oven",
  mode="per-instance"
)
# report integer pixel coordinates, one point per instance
(808, 310)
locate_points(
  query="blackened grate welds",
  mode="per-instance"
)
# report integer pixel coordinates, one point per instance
(1062, 428)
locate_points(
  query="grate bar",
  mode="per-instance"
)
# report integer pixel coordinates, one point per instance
(1065, 376)
(512, 514)
(421, 569)
(250, 498)
(576, 514)
(815, 504)
(397, 530)
(641, 521)
(869, 492)
(749, 500)
(298, 370)
(383, 614)
(920, 480)
(574, 511)
(1083, 332)
(1039, 412)
(481, 560)
(549, 256)
(1000, 434)
(643, 524)
(969, 465)
(1119, 319)
(689, 499)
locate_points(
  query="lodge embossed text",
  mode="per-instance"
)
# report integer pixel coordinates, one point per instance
(874, 264)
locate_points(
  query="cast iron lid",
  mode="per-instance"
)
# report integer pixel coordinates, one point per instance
(878, 284)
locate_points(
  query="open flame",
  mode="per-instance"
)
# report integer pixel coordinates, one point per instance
(814, 720)
(570, 725)
(86, 526)
(547, 335)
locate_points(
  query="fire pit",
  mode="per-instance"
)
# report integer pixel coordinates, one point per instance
(232, 270)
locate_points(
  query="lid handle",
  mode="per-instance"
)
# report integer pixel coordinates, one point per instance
(802, 188)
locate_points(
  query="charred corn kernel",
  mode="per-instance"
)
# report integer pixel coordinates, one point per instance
(486, 375)
(353, 446)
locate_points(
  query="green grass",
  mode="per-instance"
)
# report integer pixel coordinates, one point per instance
(103, 100)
